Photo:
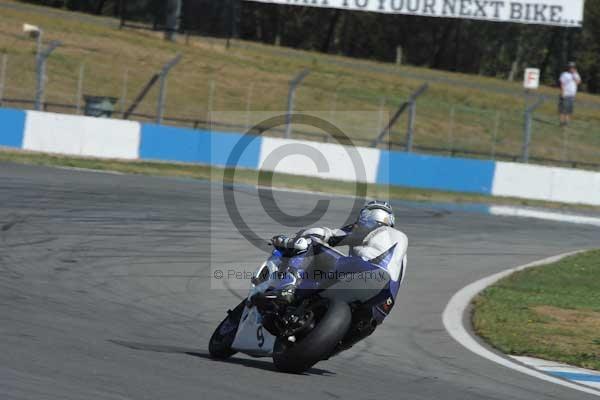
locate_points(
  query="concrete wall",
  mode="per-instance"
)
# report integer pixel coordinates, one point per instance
(325, 160)
(546, 183)
(107, 138)
(185, 145)
(82, 136)
(435, 172)
(12, 126)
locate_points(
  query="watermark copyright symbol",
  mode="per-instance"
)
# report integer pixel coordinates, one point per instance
(218, 274)
(265, 175)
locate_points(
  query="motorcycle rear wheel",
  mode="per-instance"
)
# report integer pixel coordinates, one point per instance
(318, 344)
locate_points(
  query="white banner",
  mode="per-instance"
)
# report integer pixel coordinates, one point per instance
(544, 12)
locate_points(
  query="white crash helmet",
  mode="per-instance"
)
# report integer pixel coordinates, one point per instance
(376, 213)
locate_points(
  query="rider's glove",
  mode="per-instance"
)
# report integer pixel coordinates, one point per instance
(287, 243)
(282, 242)
(324, 234)
(301, 244)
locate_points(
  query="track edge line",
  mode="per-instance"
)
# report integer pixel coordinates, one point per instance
(453, 319)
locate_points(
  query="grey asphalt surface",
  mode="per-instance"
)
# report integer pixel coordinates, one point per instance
(105, 293)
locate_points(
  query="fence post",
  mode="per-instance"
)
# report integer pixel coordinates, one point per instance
(173, 12)
(527, 136)
(412, 103)
(140, 96)
(124, 91)
(248, 101)
(398, 55)
(396, 116)
(39, 42)
(381, 113)
(122, 16)
(333, 108)
(3, 76)
(162, 91)
(451, 129)
(495, 134)
(294, 83)
(41, 59)
(410, 132)
(80, 87)
(527, 131)
(211, 93)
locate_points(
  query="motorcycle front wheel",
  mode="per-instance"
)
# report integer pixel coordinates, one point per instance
(222, 338)
(318, 344)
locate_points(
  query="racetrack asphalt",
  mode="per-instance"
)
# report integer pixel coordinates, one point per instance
(105, 293)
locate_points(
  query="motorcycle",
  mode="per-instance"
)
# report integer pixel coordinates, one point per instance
(307, 307)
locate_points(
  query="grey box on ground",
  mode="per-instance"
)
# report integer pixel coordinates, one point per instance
(99, 106)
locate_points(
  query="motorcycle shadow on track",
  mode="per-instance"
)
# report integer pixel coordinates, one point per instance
(251, 363)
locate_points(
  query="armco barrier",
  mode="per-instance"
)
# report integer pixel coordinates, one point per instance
(105, 138)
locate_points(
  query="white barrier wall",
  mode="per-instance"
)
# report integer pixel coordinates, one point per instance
(107, 138)
(324, 160)
(83, 136)
(546, 183)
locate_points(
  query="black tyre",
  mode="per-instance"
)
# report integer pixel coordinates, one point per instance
(318, 344)
(222, 338)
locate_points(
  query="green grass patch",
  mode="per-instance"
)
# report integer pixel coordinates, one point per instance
(551, 312)
(244, 176)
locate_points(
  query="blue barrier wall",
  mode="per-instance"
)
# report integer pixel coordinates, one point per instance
(185, 145)
(12, 127)
(433, 172)
(55, 133)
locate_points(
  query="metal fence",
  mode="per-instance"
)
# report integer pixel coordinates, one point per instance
(436, 126)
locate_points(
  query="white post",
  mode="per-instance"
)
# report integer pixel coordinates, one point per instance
(399, 55)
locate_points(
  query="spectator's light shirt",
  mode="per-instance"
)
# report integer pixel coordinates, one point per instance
(569, 81)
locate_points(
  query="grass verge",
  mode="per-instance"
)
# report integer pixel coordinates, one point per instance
(551, 312)
(243, 176)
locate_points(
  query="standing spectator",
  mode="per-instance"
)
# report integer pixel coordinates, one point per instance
(569, 81)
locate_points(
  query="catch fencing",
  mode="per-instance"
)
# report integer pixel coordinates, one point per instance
(190, 98)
